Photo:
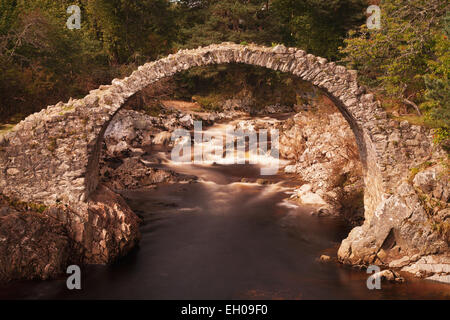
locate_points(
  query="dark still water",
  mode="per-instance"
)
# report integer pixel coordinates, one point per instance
(222, 240)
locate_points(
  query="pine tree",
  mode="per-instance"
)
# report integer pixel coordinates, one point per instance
(239, 21)
(318, 26)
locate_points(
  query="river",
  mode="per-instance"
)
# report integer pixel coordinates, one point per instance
(221, 238)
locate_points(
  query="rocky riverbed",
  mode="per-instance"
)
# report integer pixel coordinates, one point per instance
(318, 149)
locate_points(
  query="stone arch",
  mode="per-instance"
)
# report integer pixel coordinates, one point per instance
(53, 156)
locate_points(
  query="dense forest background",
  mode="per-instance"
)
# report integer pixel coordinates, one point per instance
(406, 62)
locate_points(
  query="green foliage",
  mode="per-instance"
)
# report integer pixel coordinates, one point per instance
(203, 22)
(37, 207)
(42, 62)
(408, 58)
(211, 102)
(442, 137)
(212, 85)
(318, 26)
(443, 228)
(23, 206)
(437, 89)
(5, 128)
(131, 30)
(38, 58)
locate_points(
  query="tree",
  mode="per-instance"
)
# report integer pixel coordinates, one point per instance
(43, 62)
(132, 29)
(408, 58)
(213, 21)
(38, 56)
(437, 90)
(318, 26)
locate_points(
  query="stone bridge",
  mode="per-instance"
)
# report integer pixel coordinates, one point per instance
(52, 157)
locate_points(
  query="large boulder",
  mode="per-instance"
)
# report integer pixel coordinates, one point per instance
(32, 245)
(110, 229)
(398, 228)
(306, 196)
(39, 242)
(103, 229)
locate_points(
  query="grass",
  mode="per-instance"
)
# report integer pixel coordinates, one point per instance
(37, 207)
(5, 128)
(12, 121)
(23, 206)
(412, 173)
(414, 120)
(211, 102)
(153, 110)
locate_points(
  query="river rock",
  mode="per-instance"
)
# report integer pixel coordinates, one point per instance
(305, 196)
(399, 263)
(432, 267)
(325, 258)
(440, 278)
(326, 156)
(243, 104)
(276, 108)
(134, 174)
(128, 132)
(389, 275)
(162, 138)
(187, 121)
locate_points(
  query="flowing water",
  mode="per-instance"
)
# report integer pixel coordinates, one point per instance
(220, 238)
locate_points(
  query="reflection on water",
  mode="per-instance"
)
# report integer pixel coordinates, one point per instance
(223, 239)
